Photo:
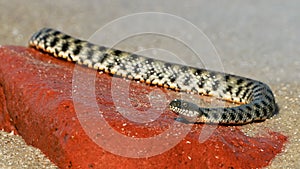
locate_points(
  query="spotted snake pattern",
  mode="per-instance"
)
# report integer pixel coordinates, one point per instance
(257, 98)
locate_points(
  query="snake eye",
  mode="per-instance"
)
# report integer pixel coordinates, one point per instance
(184, 105)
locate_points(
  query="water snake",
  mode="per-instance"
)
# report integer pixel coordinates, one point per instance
(257, 97)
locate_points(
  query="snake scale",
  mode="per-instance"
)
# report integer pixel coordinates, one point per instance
(257, 98)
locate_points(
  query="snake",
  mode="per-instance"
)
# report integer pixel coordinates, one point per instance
(257, 101)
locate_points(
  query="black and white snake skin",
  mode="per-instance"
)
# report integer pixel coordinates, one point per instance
(259, 102)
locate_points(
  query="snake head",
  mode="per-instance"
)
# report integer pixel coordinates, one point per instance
(187, 110)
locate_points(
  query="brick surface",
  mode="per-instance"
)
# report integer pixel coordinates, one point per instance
(81, 119)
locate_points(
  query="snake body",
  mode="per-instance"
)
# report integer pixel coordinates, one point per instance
(259, 102)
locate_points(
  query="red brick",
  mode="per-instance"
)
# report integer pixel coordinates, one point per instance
(36, 100)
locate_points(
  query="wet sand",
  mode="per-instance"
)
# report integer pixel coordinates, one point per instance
(254, 39)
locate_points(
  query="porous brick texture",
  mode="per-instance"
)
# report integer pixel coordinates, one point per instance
(81, 119)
